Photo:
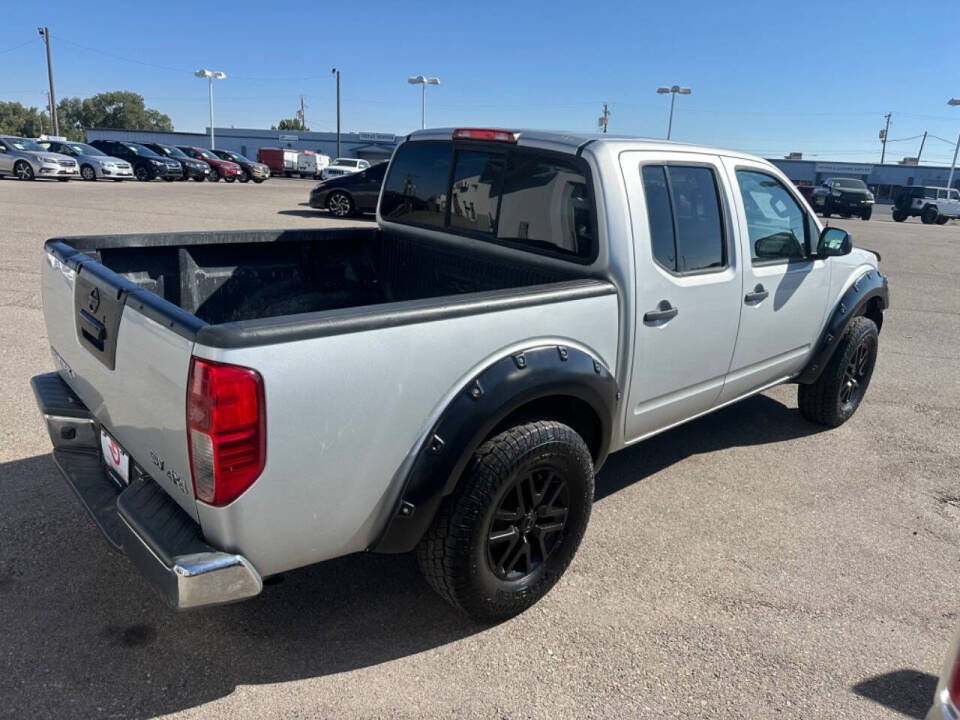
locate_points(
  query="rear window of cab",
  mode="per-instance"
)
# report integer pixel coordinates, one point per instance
(529, 199)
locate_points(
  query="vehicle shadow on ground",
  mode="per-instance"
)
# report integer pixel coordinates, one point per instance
(324, 213)
(85, 636)
(909, 692)
(755, 421)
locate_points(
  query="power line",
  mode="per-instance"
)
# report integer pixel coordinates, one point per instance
(16, 47)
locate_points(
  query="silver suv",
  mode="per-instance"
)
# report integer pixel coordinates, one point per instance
(28, 160)
(93, 163)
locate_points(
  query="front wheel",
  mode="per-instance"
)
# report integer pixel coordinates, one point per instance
(244, 176)
(866, 213)
(88, 173)
(340, 204)
(199, 178)
(509, 530)
(230, 178)
(942, 220)
(23, 170)
(837, 393)
(214, 176)
(142, 173)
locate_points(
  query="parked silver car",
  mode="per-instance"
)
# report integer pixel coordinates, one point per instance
(93, 163)
(28, 160)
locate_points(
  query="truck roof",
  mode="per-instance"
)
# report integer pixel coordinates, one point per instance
(572, 141)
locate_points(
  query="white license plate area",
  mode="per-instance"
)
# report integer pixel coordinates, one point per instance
(115, 457)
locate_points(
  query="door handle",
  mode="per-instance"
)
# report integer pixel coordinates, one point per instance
(758, 294)
(664, 311)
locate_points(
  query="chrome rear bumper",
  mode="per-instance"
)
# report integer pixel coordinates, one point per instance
(163, 542)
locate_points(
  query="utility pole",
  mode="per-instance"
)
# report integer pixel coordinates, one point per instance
(45, 34)
(922, 143)
(953, 166)
(337, 74)
(605, 118)
(302, 113)
(883, 136)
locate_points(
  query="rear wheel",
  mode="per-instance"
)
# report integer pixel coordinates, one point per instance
(340, 204)
(509, 530)
(87, 172)
(899, 216)
(929, 215)
(23, 171)
(836, 395)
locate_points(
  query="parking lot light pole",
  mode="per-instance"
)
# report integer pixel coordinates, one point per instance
(953, 102)
(423, 82)
(211, 75)
(336, 73)
(674, 90)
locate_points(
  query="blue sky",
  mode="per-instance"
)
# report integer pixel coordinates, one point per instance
(767, 77)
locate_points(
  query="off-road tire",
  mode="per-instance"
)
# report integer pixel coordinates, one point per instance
(456, 556)
(899, 216)
(929, 215)
(866, 213)
(942, 220)
(823, 402)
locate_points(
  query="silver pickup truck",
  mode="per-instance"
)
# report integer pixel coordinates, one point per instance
(232, 405)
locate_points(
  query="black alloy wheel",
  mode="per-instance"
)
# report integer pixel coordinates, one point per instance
(528, 522)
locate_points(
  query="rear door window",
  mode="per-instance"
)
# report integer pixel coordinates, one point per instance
(416, 190)
(686, 224)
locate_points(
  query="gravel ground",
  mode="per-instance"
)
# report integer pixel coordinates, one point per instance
(748, 564)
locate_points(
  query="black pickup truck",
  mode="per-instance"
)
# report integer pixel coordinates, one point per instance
(845, 197)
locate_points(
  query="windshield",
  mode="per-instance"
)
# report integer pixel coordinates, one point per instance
(343, 162)
(172, 151)
(238, 157)
(208, 155)
(140, 150)
(849, 183)
(24, 144)
(82, 149)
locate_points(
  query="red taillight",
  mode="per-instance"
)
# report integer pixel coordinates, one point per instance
(485, 134)
(953, 682)
(226, 425)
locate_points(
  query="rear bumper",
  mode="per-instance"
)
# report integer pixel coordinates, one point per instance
(140, 519)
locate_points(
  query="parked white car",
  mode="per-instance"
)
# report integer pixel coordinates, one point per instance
(312, 164)
(343, 166)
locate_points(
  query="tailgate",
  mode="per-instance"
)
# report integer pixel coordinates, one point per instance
(126, 353)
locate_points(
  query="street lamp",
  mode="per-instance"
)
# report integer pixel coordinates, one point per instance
(423, 82)
(211, 75)
(954, 102)
(674, 91)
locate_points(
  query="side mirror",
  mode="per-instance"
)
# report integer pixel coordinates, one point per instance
(834, 242)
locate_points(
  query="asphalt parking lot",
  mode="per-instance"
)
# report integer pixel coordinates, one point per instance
(747, 564)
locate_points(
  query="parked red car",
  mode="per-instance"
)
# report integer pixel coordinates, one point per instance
(225, 169)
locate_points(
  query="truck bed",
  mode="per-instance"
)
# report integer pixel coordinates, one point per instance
(231, 277)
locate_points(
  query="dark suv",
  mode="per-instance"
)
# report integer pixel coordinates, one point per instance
(844, 197)
(192, 169)
(251, 170)
(147, 165)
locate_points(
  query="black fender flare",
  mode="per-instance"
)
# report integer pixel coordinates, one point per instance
(853, 303)
(488, 398)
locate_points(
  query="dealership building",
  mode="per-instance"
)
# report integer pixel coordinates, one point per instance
(885, 180)
(368, 146)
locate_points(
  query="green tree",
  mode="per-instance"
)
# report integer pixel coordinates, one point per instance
(290, 124)
(17, 119)
(117, 110)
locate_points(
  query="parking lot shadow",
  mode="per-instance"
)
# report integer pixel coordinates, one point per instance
(85, 636)
(758, 420)
(907, 691)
